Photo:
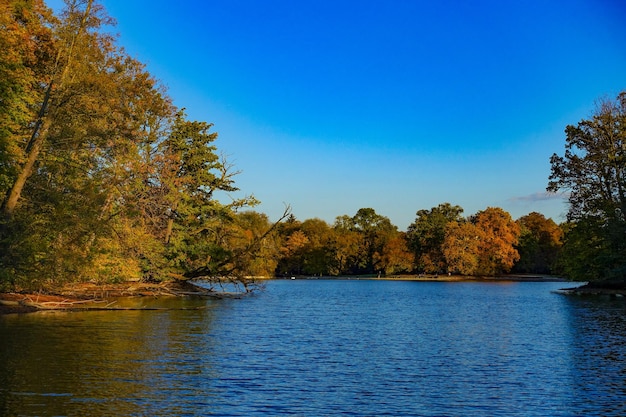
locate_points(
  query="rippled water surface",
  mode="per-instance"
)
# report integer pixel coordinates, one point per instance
(315, 348)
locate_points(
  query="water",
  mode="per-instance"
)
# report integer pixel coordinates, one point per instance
(315, 348)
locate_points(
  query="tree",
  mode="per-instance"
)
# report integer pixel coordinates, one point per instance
(539, 244)
(28, 53)
(427, 233)
(318, 257)
(77, 22)
(373, 231)
(104, 178)
(292, 254)
(484, 245)
(307, 248)
(593, 172)
(461, 247)
(497, 253)
(254, 231)
(51, 232)
(395, 256)
(346, 247)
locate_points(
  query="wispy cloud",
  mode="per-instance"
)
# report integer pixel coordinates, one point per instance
(540, 196)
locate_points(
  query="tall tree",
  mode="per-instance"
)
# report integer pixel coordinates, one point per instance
(395, 256)
(28, 53)
(593, 172)
(318, 257)
(346, 247)
(373, 232)
(427, 233)
(78, 20)
(105, 179)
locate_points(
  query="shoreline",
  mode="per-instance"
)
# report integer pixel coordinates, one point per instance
(439, 278)
(90, 296)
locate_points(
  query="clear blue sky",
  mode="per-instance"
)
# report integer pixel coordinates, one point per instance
(397, 105)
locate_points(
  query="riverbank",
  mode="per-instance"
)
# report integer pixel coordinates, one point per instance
(612, 289)
(445, 278)
(91, 296)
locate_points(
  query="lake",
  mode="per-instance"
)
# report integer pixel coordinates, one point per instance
(324, 348)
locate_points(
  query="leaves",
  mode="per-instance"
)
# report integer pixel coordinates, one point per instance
(593, 171)
(483, 245)
(427, 234)
(118, 181)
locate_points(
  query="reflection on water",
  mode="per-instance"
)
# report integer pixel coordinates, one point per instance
(598, 354)
(96, 363)
(326, 348)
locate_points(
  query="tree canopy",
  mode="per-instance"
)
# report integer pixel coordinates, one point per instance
(427, 234)
(593, 172)
(103, 177)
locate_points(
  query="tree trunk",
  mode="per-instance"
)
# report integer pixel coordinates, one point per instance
(40, 131)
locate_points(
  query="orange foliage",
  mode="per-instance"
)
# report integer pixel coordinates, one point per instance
(483, 246)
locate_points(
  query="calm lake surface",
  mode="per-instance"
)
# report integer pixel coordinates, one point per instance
(316, 348)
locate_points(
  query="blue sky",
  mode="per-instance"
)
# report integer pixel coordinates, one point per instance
(398, 105)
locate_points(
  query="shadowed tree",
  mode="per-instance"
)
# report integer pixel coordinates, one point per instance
(539, 244)
(593, 171)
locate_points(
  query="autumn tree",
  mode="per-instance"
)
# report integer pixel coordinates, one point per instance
(254, 244)
(318, 257)
(74, 40)
(346, 247)
(500, 235)
(427, 233)
(292, 253)
(50, 233)
(104, 177)
(395, 257)
(461, 247)
(28, 53)
(307, 248)
(485, 245)
(593, 172)
(367, 232)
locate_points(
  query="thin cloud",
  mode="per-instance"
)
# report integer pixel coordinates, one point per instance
(540, 196)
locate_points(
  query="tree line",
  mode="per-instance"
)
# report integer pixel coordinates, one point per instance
(439, 241)
(102, 178)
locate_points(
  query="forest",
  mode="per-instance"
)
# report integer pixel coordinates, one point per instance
(104, 179)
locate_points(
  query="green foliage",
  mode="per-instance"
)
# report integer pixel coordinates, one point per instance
(593, 171)
(365, 243)
(119, 184)
(427, 233)
(539, 244)
(28, 50)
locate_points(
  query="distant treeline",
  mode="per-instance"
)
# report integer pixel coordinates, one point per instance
(439, 241)
(104, 179)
